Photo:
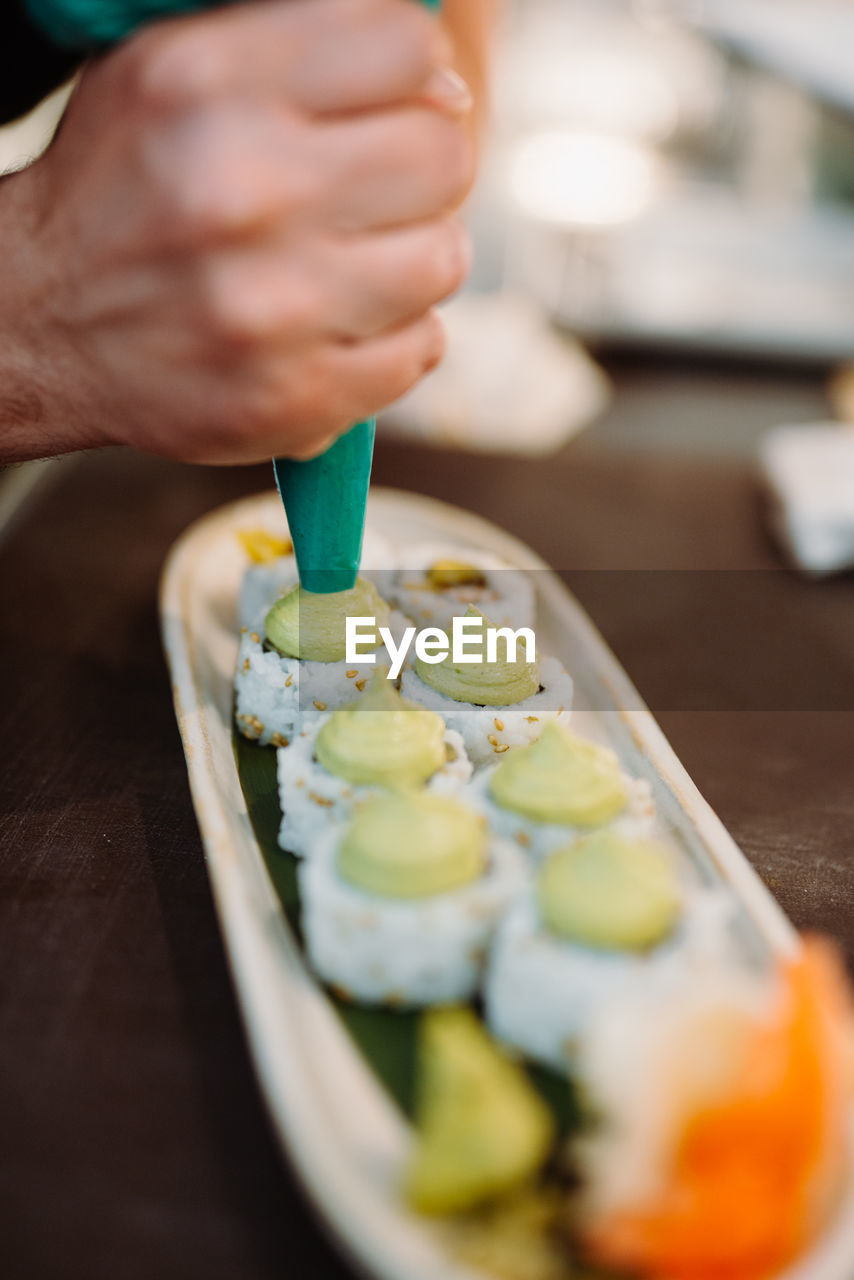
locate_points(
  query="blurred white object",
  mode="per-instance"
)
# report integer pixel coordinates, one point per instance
(24, 140)
(809, 471)
(508, 384)
(604, 68)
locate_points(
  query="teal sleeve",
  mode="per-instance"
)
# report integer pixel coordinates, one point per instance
(82, 24)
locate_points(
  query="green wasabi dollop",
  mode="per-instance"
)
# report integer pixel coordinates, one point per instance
(413, 845)
(609, 891)
(485, 684)
(482, 1128)
(382, 739)
(305, 625)
(561, 778)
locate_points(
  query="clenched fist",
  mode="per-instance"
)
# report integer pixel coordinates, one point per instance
(233, 245)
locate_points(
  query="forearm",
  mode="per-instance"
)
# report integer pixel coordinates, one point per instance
(33, 366)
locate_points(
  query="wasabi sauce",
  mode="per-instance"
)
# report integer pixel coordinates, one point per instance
(611, 892)
(413, 845)
(306, 625)
(561, 779)
(484, 684)
(382, 739)
(483, 1130)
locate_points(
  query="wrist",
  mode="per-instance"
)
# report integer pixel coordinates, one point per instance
(37, 414)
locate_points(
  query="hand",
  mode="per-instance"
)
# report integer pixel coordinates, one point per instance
(232, 247)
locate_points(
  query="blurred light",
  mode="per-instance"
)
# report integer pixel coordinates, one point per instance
(582, 179)
(606, 91)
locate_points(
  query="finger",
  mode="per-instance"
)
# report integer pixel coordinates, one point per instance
(370, 375)
(345, 291)
(382, 281)
(296, 410)
(322, 55)
(393, 167)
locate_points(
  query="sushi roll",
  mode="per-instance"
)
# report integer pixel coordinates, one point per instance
(493, 705)
(400, 907)
(293, 669)
(603, 918)
(723, 1112)
(440, 581)
(340, 760)
(273, 572)
(559, 788)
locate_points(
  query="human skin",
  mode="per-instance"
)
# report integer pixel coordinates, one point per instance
(234, 244)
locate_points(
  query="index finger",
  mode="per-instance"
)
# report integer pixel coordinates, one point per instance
(322, 56)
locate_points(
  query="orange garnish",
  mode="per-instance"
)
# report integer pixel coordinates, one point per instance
(754, 1175)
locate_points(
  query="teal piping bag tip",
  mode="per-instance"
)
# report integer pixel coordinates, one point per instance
(325, 500)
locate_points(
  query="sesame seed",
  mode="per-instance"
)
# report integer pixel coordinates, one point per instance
(321, 800)
(255, 638)
(360, 685)
(501, 749)
(499, 724)
(351, 674)
(321, 706)
(289, 682)
(492, 740)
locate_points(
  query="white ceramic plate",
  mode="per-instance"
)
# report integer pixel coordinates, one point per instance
(345, 1137)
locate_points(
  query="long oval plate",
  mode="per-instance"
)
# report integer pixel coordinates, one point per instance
(345, 1137)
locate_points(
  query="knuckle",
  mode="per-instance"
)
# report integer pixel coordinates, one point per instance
(226, 181)
(419, 39)
(451, 257)
(430, 346)
(173, 69)
(252, 308)
(457, 155)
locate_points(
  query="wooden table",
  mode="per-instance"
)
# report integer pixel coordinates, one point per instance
(134, 1143)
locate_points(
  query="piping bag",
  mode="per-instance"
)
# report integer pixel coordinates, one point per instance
(326, 497)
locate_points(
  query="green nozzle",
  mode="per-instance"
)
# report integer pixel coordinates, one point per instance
(325, 501)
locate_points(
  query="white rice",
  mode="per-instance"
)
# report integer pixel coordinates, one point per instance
(507, 599)
(260, 589)
(403, 953)
(314, 800)
(488, 732)
(539, 839)
(276, 696)
(542, 991)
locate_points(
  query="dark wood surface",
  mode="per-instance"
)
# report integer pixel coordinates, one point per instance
(133, 1142)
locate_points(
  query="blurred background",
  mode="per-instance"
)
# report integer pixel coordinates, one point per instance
(671, 182)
